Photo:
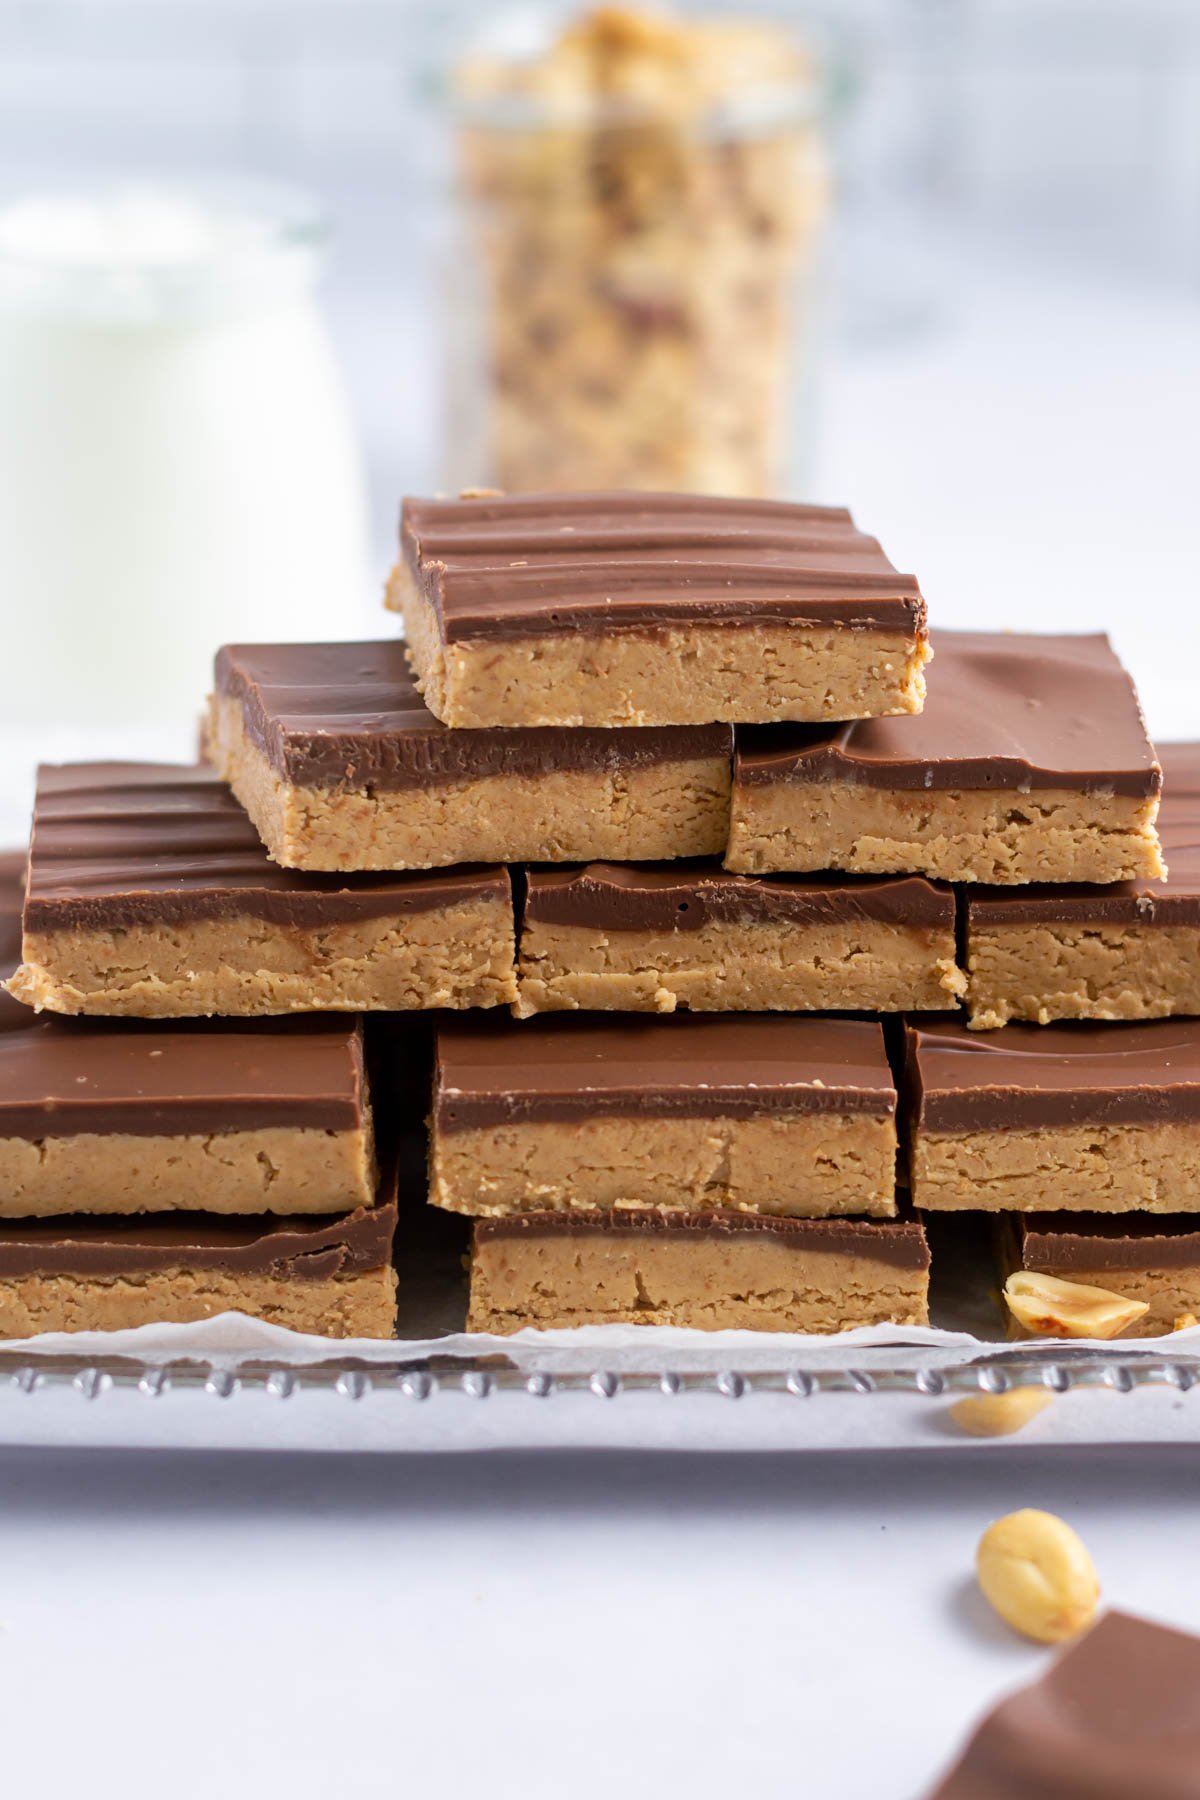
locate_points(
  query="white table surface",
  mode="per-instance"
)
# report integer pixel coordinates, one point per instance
(544, 1626)
(570, 1626)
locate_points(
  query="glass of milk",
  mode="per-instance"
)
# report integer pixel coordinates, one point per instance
(177, 463)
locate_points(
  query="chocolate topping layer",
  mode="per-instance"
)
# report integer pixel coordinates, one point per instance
(1116, 1716)
(899, 1243)
(495, 1071)
(1002, 710)
(1175, 901)
(1025, 1076)
(300, 1249)
(1064, 1243)
(350, 716)
(62, 1077)
(516, 566)
(119, 844)
(690, 895)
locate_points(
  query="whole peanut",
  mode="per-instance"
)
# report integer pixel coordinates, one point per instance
(1037, 1574)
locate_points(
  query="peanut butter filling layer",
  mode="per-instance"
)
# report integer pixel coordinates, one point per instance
(956, 835)
(454, 956)
(344, 1306)
(1047, 971)
(868, 965)
(814, 1166)
(285, 1170)
(1080, 1168)
(712, 1274)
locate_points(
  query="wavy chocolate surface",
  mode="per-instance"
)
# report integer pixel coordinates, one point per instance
(1175, 901)
(897, 1242)
(1002, 710)
(516, 565)
(118, 844)
(691, 895)
(1026, 1076)
(575, 1066)
(350, 716)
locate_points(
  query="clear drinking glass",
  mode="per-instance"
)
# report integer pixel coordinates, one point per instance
(177, 462)
(639, 218)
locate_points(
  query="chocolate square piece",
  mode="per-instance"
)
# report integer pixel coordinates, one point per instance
(1030, 762)
(150, 894)
(1126, 951)
(660, 936)
(758, 1113)
(340, 764)
(1037, 1118)
(712, 1271)
(1115, 1717)
(652, 609)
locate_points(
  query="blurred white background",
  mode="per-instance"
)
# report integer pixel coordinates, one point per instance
(1012, 382)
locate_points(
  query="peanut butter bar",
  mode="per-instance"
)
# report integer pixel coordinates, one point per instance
(710, 1270)
(330, 1277)
(766, 1114)
(120, 1116)
(109, 1116)
(332, 752)
(1126, 951)
(652, 609)
(1140, 1258)
(1030, 763)
(150, 894)
(656, 937)
(1048, 1118)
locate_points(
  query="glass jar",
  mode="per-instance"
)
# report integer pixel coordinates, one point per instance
(177, 463)
(640, 203)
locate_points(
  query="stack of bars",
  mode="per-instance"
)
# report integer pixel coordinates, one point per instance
(894, 954)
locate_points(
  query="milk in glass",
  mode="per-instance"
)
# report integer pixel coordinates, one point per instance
(177, 463)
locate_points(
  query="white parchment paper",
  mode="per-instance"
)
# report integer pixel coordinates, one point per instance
(233, 1338)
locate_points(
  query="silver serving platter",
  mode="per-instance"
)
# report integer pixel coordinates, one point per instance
(882, 1401)
(482, 1378)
